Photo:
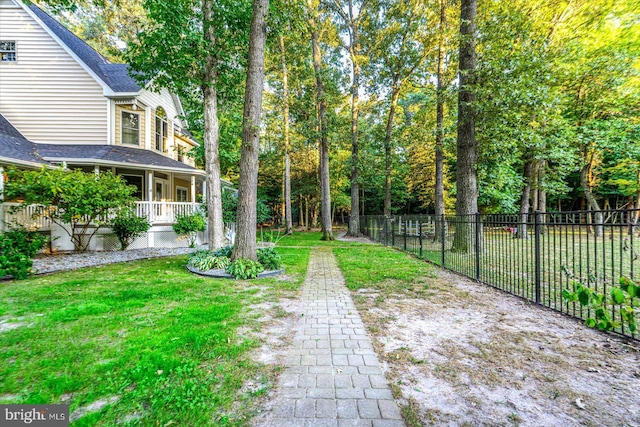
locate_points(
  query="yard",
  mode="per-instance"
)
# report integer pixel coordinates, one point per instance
(146, 343)
(140, 343)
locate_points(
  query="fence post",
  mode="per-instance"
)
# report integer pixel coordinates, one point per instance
(384, 229)
(393, 234)
(477, 245)
(537, 254)
(405, 233)
(443, 235)
(420, 233)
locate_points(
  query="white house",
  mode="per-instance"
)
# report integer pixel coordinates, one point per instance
(63, 103)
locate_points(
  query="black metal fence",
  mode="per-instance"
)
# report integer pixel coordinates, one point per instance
(533, 256)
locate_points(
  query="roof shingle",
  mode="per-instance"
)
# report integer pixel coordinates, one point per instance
(13, 145)
(111, 153)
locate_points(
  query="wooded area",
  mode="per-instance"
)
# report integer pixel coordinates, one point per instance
(519, 106)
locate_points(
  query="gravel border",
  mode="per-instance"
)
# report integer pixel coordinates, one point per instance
(44, 264)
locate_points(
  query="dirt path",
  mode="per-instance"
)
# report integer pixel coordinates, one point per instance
(467, 354)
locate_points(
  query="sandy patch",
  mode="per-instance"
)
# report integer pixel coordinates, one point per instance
(276, 320)
(467, 354)
(96, 406)
(7, 323)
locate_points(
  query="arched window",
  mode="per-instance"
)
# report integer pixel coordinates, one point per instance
(162, 130)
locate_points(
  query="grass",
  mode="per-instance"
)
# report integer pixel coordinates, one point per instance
(382, 268)
(307, 239)
(162, 340)
(161, 345)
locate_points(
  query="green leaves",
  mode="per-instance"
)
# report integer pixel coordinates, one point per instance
(624, 297)
(17, 248)
(128, 226)
(189, 225)
(207, 260)
(80, 199)
(245, 269)
(617, 296)
(269, 258)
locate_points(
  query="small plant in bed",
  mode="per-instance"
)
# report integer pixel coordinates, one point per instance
(245, 269)
(207, 260)
(268, 259)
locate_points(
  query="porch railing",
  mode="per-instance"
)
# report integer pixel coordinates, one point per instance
(157, 213)
(165, 212)
(28, 216)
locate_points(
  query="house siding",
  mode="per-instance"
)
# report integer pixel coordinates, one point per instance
(48, 84)
(188, 145)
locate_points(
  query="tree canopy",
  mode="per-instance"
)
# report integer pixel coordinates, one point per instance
(556, 99)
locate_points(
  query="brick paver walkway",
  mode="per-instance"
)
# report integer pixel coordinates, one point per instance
(333, 377)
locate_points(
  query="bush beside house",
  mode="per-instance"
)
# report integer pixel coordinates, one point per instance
(83, 201)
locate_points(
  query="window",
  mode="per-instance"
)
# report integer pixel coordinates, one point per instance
(182, 194)
(181, 152)
(130, 128)
(137, 181)
(162, 130)
(8, 51)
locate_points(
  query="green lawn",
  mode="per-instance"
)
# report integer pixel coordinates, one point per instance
(168, 347)
(163, 341)
(382, 268)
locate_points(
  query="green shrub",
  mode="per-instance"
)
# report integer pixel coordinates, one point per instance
(18, 246)
(269, 259)
(82, 199)
(128, 226)
(207, 260)
(226, 251)
(189, 225)
(245, 269)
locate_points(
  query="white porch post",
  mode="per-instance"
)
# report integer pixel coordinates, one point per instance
(150, 235)
(149, 186)
(150, 195)
(204, 191)
(193, 189)
(96, 170)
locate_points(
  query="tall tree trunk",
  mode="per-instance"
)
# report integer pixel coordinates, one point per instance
(354, 219)
(395, 94)
(439, 190)
(535, 186)
(467, 197)
(592, 203)
(325, 187)
(215, 223)
(287, 156)
(248, 187)
(525, 200)
(542, 197)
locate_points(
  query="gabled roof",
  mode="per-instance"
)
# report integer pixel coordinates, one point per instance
(112, 154)
(115, 76)
(15, 148)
